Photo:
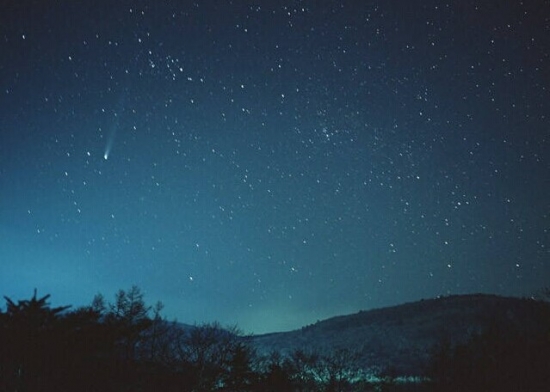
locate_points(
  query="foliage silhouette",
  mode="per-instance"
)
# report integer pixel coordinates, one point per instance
(496, 359)
(127, 345)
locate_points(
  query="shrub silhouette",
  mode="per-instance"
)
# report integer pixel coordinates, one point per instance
(495, 360)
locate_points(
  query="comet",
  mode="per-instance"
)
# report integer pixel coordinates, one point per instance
(114, 127)
(109, 144)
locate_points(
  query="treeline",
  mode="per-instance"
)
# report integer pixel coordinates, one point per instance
(497, 359)
(126, 345)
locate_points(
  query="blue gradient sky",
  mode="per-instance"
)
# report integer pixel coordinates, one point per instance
(272, 165)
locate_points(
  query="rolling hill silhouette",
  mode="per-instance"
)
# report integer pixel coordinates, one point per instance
(401, 339)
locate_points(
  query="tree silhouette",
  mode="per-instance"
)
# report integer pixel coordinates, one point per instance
(28, 341)
(127, 319)
(278, 374)
(340, 365)
(496, 359)
(35, 312)
(93, 348)
(240, 377)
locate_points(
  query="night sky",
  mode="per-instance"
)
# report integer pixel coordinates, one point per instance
(273, 163)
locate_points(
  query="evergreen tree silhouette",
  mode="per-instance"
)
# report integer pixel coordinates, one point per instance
(29, 342)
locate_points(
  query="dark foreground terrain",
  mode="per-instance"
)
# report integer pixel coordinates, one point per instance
(458, 343)
(402, 337)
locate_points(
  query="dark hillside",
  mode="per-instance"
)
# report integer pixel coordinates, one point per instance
(401, 338)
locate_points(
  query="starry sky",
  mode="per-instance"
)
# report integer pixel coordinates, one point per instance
(273, 163)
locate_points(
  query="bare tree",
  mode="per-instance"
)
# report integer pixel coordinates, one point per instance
(205, 353)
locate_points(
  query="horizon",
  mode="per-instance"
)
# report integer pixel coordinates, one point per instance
(53, 303)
